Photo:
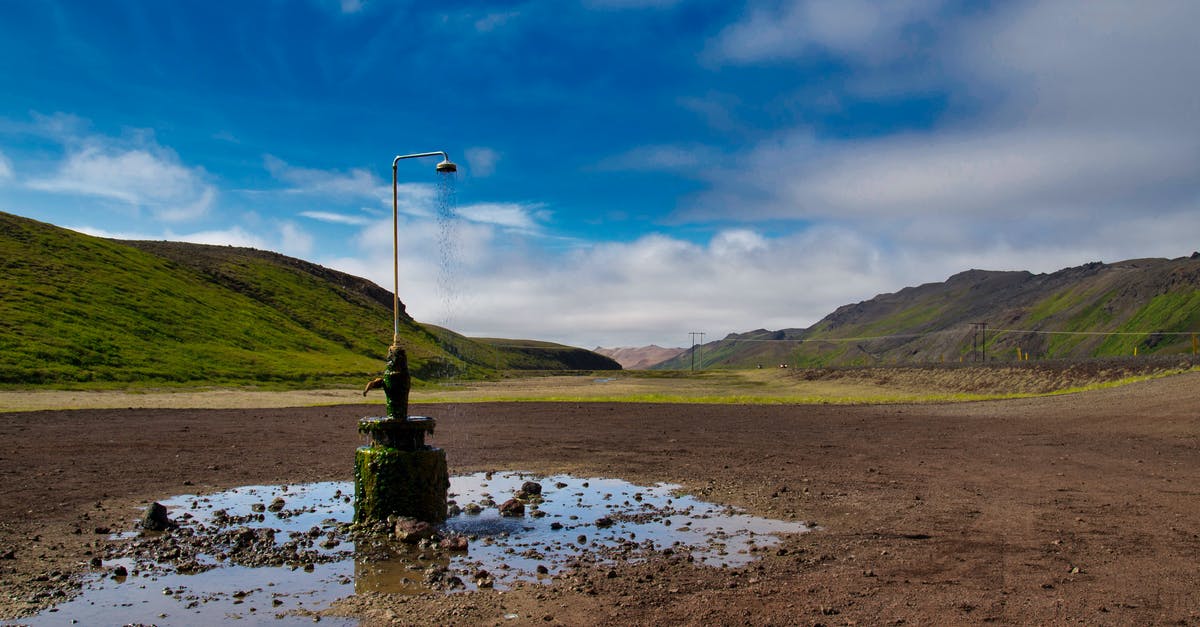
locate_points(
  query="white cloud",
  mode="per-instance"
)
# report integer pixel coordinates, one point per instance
(6, 171)
(351, 6)
(235, 236)
(866, 31)
(1085, 142)
(338, 218)
(1088, 64)
(284, 237)
(505, 214)
(356, 184)
(294, 240)
(482, 161)
(979, 173)
(144, 175)
(684, 159)
(630, 4)
(492, 21)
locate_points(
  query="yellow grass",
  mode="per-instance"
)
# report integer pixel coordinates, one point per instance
(740, 387)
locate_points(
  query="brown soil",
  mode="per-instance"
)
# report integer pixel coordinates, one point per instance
(1081, 508)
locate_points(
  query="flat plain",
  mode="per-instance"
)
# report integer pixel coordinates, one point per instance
(1077, 507)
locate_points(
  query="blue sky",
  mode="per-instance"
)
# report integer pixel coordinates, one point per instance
(631, 170)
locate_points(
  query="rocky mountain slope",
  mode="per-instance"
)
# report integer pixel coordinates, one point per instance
(639, 357)
(1093, 310)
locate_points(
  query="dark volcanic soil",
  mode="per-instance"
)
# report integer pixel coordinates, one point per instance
(1077, 508)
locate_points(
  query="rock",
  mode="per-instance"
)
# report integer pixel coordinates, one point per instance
(276, 505)
(529, 489)
(512, 508)
(604, 522)
(119, 571)
(156, 518)
(454, 543)
(483, 579)
(556, 525)
(473, 508)
(8, 554)
(412, 531)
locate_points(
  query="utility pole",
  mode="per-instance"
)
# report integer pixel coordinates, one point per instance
(694, 334)
(979, 341)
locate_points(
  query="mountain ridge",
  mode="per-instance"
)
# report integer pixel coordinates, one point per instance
(639, 357)
(79, 308)
(1150, 305)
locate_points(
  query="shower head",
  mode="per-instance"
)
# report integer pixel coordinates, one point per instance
(444, 166)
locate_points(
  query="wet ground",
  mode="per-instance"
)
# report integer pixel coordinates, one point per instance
(1079, 508)
(283, 552)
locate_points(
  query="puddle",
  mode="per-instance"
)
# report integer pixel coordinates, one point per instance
(276, 553)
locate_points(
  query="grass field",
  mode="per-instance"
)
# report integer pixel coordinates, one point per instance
(808, 386)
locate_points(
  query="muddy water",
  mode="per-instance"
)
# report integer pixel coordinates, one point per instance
(579, 522)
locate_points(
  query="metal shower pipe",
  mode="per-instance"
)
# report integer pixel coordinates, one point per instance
(445, 166)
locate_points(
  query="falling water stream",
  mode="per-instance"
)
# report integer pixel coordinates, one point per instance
(448, 249)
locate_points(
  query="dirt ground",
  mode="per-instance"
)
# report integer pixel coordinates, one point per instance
(1079, 508)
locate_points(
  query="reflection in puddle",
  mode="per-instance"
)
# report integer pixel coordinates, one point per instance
(241, 569)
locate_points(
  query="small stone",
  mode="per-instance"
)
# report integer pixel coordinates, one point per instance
(556, 525)
(258, 507)
(276, 505)
(120, 571)
(412, 531)
(512, 508)
(604, 522)
(156, 518)
(454, 543)
(529, 489)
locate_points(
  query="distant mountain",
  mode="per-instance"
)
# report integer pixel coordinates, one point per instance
(639, 358)
(79, 308)
(1093, 310)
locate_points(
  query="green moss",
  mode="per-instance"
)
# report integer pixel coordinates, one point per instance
(403, 483)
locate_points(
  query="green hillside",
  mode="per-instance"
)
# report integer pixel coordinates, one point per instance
(84, 309)
(1090, 311)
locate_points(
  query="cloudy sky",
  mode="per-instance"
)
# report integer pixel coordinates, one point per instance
(630, 170)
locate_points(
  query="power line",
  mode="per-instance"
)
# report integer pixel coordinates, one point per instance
(694, 334)
(956, 330)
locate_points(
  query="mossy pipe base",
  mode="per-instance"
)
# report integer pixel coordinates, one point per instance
(388, 481)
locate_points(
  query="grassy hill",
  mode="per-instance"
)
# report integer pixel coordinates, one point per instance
(84, 309)
(1090, 311)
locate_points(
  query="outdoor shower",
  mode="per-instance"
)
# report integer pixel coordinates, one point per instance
(397, 474)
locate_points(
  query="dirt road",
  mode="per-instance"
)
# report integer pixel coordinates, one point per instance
(1074, 508)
